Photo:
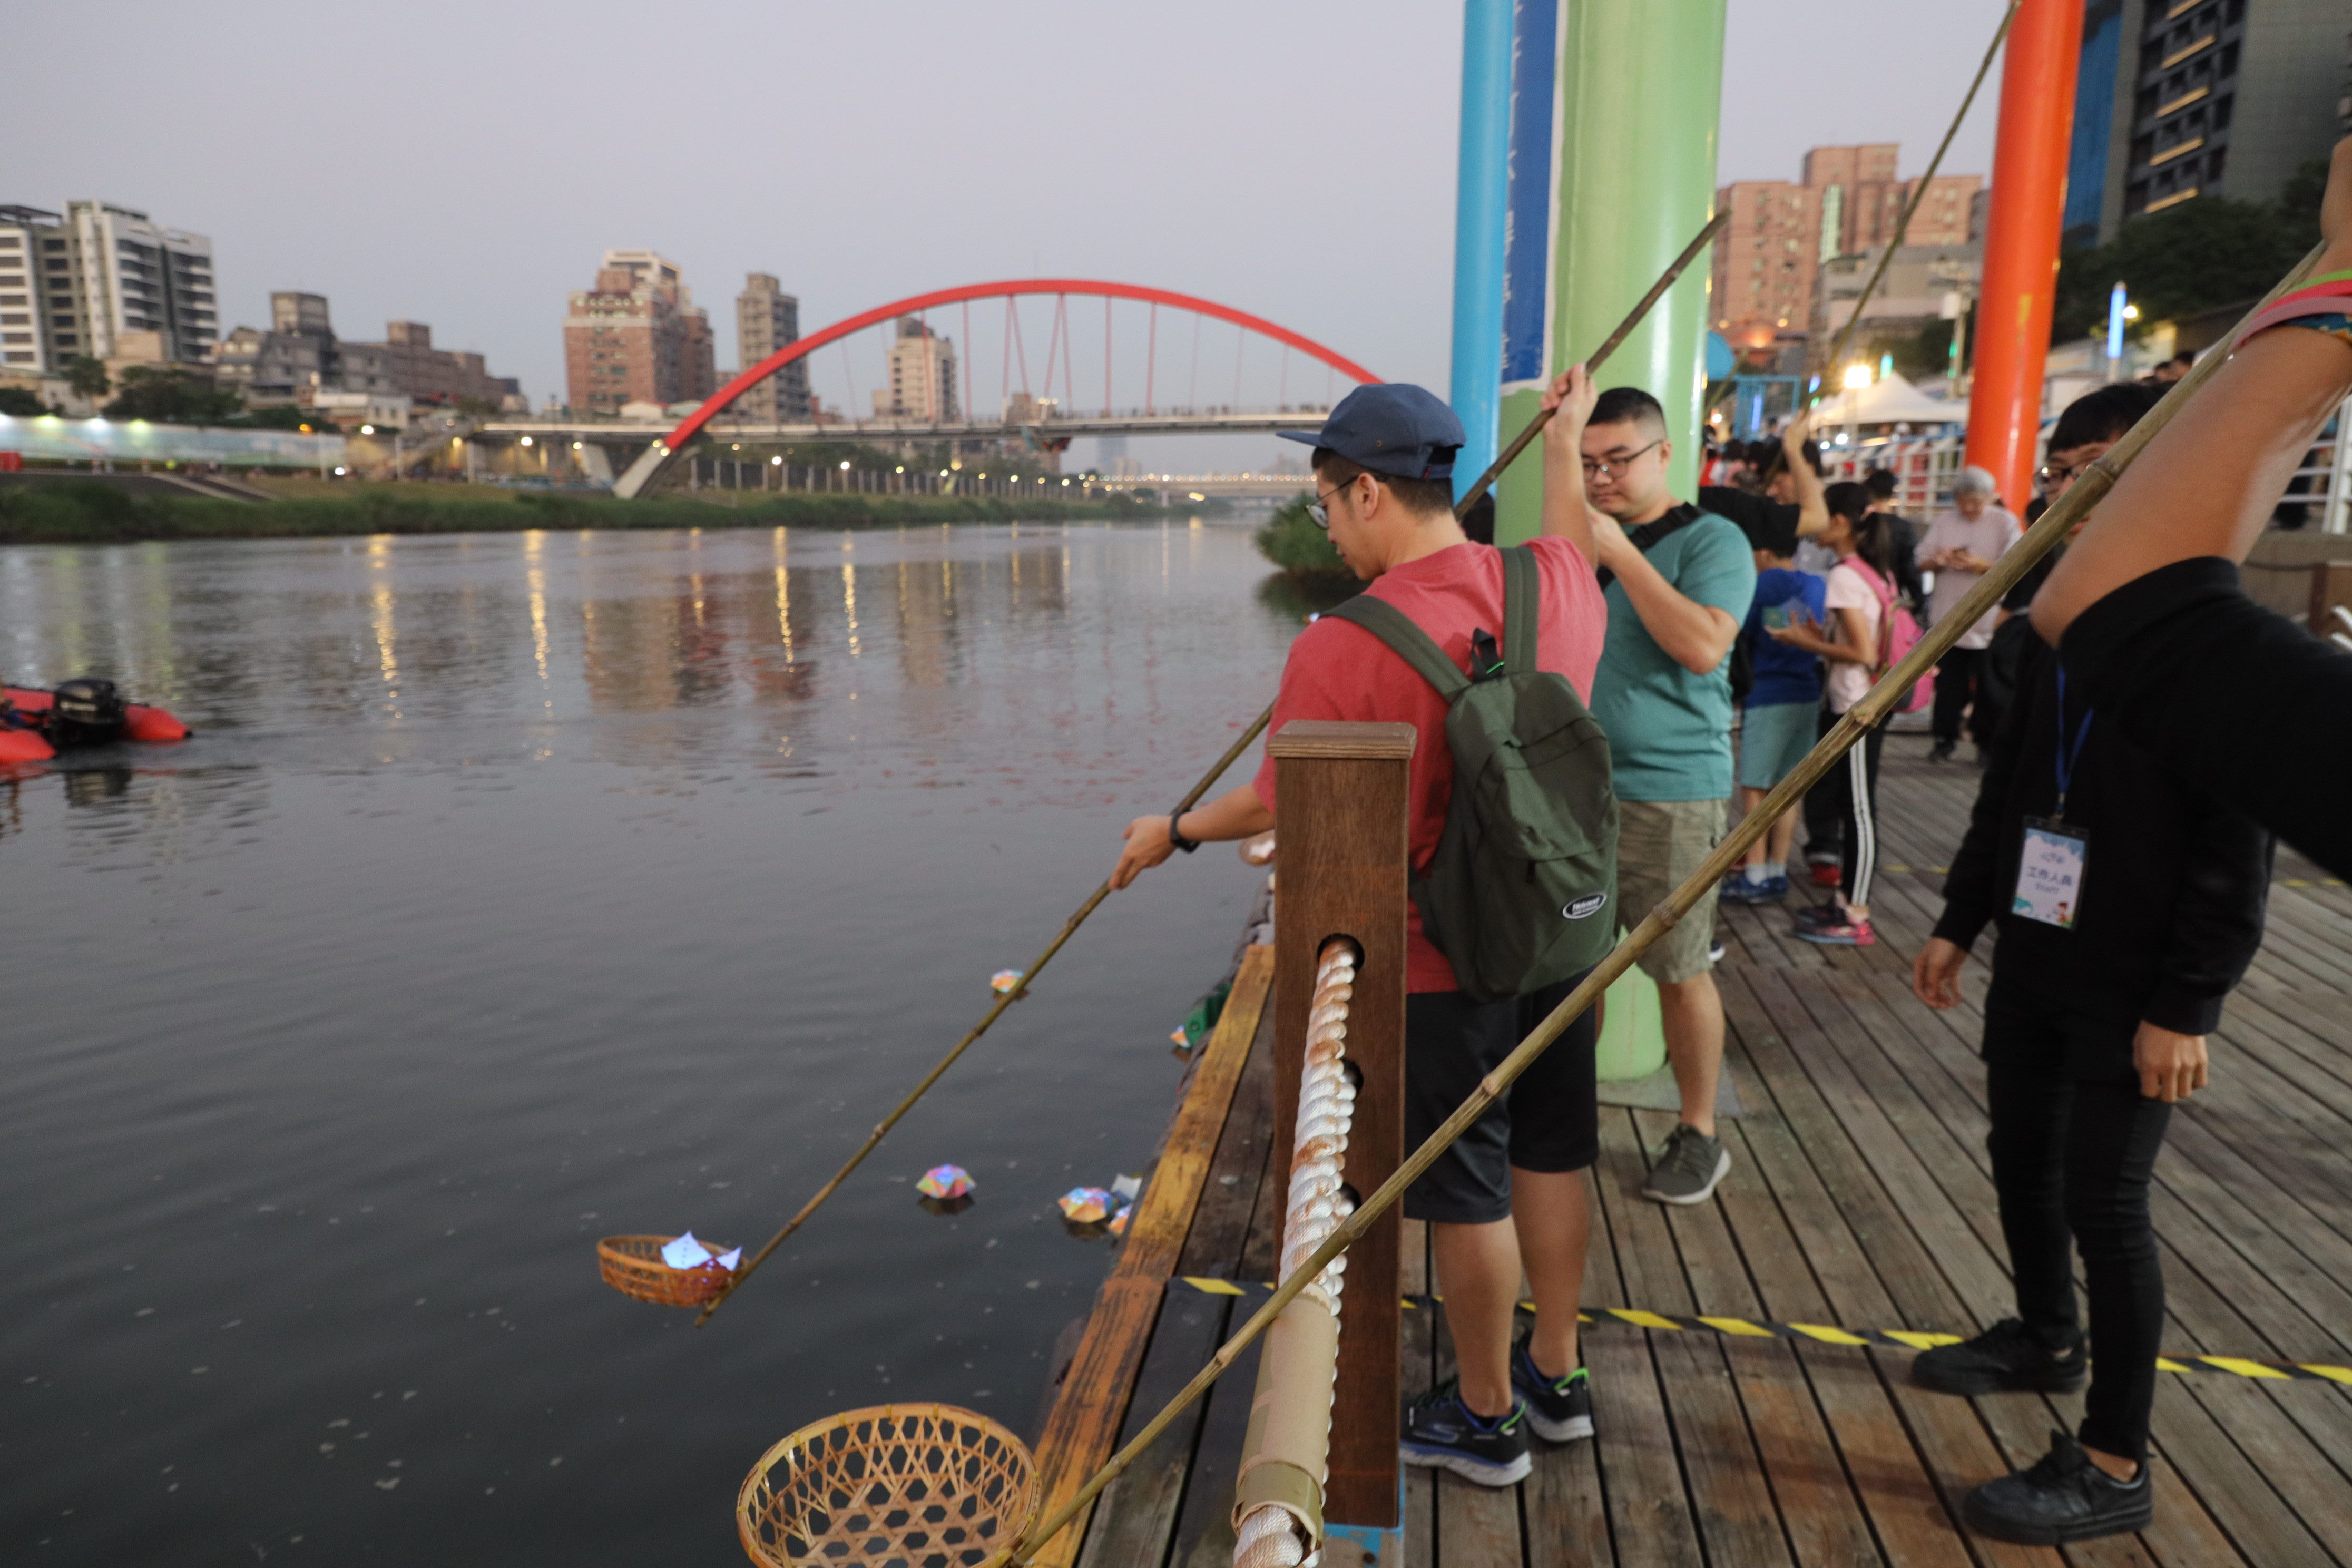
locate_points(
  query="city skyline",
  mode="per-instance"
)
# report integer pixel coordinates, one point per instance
(1151, 179)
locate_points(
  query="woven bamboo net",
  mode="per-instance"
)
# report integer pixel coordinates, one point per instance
(632, 1266)
(892, 1485)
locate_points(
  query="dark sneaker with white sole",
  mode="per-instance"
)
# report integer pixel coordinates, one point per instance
(1559, 1408)
(1442, 1432)
(1688, 1168)
(2007, 1358)
(2064, 1497)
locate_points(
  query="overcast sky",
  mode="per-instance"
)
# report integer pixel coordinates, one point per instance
(467, 165)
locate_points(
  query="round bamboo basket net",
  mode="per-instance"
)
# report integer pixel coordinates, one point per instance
(892, 1485)
(632, 1266)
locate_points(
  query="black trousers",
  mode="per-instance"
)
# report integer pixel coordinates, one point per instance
(2074, 1144)
(1854, 795)
(1822, 814)
(1958, 678)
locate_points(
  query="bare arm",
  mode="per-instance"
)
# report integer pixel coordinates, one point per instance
(1850, 647)
(1566, 514)
(2207, 482)
(1695, 635)
(1236, 814)
(1813, 509)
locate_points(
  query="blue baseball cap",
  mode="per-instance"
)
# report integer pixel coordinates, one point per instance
(1390, 427)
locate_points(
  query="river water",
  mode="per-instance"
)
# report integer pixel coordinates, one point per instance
(522, 889)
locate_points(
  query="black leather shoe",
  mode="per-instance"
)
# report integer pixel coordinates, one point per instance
(2064, 1497)
(2005, 1358)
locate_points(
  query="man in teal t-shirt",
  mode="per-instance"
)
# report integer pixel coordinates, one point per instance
(1679, 581)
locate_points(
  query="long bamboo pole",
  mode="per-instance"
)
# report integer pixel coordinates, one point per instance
(1918, 195)
(882, 1127)
(1069, 927)
(1608, 346)
(1990, 589)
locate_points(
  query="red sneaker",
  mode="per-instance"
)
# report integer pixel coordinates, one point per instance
(1830, 926)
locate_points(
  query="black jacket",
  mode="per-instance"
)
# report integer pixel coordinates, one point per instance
(2231, 697)
(2174, 883)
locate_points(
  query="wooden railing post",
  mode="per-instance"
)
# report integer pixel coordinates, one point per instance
(1342, 832)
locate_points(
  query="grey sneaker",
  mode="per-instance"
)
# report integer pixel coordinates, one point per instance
(1688, 1168)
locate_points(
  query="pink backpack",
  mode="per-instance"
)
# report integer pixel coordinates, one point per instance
(1900, 631)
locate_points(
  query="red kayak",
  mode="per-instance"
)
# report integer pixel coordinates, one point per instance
(77, 713)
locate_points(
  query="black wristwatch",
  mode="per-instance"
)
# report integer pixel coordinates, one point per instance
(1177, 839)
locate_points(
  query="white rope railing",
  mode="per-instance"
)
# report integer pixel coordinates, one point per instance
(1279, 1496)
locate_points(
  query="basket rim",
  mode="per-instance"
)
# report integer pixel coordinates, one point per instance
(606, 1248)
(1032, 1489)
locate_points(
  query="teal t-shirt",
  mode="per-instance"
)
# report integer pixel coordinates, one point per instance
(1670, 731)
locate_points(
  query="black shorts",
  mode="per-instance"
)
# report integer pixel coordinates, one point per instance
(1549, 1120)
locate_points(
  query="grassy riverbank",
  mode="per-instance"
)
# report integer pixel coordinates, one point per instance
(93, 512)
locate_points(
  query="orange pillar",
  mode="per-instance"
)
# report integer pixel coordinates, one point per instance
(2020, 264)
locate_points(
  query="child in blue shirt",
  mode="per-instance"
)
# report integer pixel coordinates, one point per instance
(1782, 718)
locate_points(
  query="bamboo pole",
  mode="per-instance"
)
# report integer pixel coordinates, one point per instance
(1608, 346)
(1070, 926)
(2038, 540)
(882, 1127)
(1918, 195)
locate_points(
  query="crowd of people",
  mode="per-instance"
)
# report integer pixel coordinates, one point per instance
(2125, 691)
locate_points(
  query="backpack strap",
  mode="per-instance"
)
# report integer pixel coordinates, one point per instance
(1406, 640)
(1522, 602)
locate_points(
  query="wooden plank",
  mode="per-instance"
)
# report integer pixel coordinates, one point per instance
(1477, 1527)
(1342, 812)
(1082, 1431)
(1220, 1220)
(1205, 1526)
(1163, 1213)
(1649, 1510)
(1738, 1521)
(1135, 1515)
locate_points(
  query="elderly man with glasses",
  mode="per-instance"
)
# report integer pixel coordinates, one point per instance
(1678, 582)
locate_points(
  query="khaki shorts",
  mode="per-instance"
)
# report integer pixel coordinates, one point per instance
(1659, 844)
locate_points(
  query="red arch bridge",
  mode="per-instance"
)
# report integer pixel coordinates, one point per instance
(1155, 378)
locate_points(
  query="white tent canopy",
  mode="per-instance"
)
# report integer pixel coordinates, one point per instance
(1890, 400)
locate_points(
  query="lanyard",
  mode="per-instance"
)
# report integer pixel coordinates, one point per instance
(2067, 755)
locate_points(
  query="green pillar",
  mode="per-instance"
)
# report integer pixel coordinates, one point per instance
(1640, 87)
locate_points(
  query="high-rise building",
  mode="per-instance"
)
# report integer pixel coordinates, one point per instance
(922, 376)
(2179, 99)
(767, 319)
(99, 274)
(636, 337)
(1850, 201)
(1764, 263)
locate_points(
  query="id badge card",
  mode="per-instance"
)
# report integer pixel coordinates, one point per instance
(2049, 873)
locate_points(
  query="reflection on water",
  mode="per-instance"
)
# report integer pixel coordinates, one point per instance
(518, 889)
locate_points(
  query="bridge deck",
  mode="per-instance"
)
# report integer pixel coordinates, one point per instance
(1860, 1196)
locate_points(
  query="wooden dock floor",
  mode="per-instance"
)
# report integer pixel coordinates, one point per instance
(1860, 1195)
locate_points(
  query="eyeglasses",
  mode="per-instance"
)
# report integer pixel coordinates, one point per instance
(1616, 467)
(1318, 511)
(2058, 476)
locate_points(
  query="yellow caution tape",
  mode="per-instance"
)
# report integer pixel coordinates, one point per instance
(1823, 1333)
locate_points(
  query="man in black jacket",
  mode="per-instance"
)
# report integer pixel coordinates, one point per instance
(2128, 904)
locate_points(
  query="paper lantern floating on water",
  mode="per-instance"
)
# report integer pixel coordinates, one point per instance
(945, 1182)
(1003, 981)
(1085, 1206)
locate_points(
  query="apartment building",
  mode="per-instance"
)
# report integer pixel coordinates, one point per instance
(96, 281)
(922, 376)
(636, 337)
(768, 319)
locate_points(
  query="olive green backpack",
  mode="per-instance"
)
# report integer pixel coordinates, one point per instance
(1519, 894)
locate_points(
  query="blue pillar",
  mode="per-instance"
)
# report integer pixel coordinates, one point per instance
(1478, 231)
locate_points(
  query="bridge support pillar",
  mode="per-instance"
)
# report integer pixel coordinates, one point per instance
(1617, 175)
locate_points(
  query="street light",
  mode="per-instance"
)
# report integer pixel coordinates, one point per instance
(2118, 303)
(1857, 376)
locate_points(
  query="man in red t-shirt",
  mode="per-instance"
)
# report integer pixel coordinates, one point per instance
(1509, 1195)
